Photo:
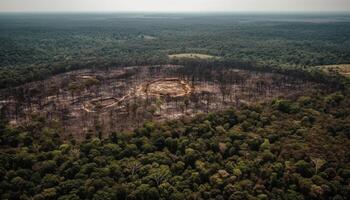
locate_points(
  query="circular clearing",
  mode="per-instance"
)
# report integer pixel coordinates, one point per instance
(168, 87)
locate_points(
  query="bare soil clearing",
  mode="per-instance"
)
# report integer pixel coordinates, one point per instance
(172, 87)
(192, 55)
(147, 37)
(122, 99)
(343, 69)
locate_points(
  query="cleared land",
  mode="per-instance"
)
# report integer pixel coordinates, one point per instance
(192, 55)
(147, 37)
(105, 101)
(343, 69)
(172, 87)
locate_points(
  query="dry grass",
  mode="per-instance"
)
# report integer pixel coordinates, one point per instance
(343, 69)
(192, 55)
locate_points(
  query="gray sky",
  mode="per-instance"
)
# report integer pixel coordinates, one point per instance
(174, 5)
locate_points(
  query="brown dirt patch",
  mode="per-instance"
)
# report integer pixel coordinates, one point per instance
(172, 87)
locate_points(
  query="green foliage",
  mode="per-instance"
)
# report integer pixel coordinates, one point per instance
(280, 150)
(285, 106)
(273, 162)
(34, 47)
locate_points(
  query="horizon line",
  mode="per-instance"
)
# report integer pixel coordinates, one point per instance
(180, 12)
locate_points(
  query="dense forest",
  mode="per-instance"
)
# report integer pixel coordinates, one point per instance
(283, 148)
(278, 150)
(35, 46)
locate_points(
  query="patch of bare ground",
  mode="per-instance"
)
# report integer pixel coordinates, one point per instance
(122, 99)
(147, 37)
(343, 69)
(172, 87)
(192, 56)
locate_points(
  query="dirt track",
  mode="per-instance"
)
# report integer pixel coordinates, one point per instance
(172, 87)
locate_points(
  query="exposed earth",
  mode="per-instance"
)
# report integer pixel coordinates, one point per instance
(343, 69)
(192, 55)
(172, 87)
(121, 99)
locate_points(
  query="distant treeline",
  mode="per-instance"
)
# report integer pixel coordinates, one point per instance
(334, 81)
(34, 47)
(193, 65)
